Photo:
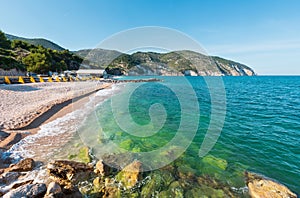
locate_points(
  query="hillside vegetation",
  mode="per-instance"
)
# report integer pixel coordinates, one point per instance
(23, 56)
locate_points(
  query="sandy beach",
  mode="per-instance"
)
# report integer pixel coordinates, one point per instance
(25, 107)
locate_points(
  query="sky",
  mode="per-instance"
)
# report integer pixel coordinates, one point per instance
(263, 34)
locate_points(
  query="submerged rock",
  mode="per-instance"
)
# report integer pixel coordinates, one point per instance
(175, 190)
(24, 165)
(130, 175)
(214, 161)
(262, 187)
(30, 190)
(205, 191)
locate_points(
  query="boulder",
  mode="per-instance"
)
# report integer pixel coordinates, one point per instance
(102, 168)
(262, 187)
(130, 175)
(66, 172)
(53, 188)
(9, 177)
(24, 165)
(29, 190)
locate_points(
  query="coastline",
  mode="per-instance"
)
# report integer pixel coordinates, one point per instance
(47, 113)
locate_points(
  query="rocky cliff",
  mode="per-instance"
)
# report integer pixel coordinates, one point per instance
(173, 63)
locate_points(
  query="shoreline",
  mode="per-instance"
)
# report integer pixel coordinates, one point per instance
(51, 113)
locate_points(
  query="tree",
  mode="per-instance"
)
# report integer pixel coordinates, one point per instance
(4, 42)
(37, 62)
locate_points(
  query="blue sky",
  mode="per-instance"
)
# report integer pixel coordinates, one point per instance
(264, 34)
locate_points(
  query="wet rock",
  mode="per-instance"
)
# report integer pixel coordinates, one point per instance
(214, 161)
(53, 188)
(29, 190)
(84, 155)
(186, 172)
(22, 183)
(153, 186)
(118, 161)
(130, 175)
(262, 187)
(71, 192)
(9, 177)
(112, 192)
(102, 168)
(175, 190)
(67, 172)
(24, 165)
(205, 191)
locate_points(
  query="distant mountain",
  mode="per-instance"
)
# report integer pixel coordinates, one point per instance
(173, 63)
(97, 57)
(37, 41)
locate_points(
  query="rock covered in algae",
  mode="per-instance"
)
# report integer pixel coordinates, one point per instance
(175, 190)
(205, 191)
(130, 175)
(214, 161)
(262, 187)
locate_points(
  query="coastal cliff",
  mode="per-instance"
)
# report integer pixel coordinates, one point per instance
(176, 63)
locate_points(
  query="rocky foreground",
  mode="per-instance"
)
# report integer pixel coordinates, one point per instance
(66, 178)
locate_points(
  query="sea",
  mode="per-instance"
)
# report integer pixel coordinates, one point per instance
(204, 127)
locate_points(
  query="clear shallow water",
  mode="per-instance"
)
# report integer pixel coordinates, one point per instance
(260, 134)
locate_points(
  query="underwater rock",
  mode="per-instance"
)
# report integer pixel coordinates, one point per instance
(205, 191)
(29, 190)
(214, 161)
(84, 155)
(67, 172)
(24, 165)
(185, 172)
(118, 161)
(130, 175)
(175, 190)
(262, 187)
(152, 186)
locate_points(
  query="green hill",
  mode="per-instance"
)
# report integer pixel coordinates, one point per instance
(36, 41)
(19, 55)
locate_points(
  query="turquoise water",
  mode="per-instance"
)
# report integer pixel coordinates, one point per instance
(261, 132)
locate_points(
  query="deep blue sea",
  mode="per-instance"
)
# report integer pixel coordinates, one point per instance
(248, 124)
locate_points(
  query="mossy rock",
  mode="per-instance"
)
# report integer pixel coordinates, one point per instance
(175, 190)
(152, 186)
(84, 155)
(205, 191)
(126, 144)
(130, 175)
(214, 161)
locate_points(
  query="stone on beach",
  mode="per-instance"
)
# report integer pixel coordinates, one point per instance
(67, 172)
(24, 165)
(29, 190)
(261, 187)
